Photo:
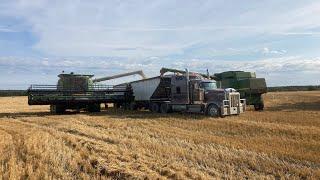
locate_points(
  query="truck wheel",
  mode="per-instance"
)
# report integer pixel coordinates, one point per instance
(258, 107)
(116, 105)
(165, 108)
(133, 106)
(213, 111)
(94, 107)
(155, 107)
(126, 106)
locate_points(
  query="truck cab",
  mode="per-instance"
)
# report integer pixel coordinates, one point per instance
(195, 93)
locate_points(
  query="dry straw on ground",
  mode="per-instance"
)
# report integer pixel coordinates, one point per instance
(283, 141)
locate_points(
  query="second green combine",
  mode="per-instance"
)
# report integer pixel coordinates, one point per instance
(250, 87)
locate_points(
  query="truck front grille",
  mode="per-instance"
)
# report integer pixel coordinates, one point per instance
(234, 100)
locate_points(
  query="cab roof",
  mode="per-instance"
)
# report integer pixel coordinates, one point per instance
(77, 75)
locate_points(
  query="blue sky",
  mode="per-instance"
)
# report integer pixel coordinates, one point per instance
(279, 39)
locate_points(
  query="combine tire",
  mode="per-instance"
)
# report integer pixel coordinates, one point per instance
(57, 109)
(154, 107)
(165, 108)
(258, 107)
(94, 108)
(213, 111)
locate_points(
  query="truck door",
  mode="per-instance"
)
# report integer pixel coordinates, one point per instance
(197, 93)
(179, 91)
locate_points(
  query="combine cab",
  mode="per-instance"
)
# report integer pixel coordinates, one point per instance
(250, 87)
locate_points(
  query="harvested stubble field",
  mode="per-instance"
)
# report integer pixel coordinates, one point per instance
(283, 141)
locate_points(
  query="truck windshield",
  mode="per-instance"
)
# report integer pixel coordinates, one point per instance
(208, 85)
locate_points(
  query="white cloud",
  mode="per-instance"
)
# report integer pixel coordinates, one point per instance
(150, 34)
(155, 28)
(284, 64)
(45, 63)
(311, 33)
(266, 50)
(287, 64)
(7, 29)
(282, 67)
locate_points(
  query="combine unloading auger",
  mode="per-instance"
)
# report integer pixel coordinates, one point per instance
(140, 72)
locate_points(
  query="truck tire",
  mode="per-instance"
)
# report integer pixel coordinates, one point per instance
(94, 107)
(213, 111)
(154, 107)
(165, 108)
(126, 106)
(133, 106)
(259, 107)
(57, 109)
(116, 105)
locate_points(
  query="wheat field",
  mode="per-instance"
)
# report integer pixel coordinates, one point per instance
(281, 142)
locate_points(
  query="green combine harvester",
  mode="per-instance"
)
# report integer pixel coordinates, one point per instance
(80, 92)
(250, 87)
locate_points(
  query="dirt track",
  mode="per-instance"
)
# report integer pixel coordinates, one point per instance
(282, 141)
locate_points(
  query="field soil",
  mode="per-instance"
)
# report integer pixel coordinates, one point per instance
(281, 142)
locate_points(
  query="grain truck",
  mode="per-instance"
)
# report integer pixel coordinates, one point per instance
(184, 91)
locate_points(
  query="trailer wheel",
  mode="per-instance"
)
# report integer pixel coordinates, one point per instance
(165, 108)
(213, 111)
(258, 107)
(155, 107)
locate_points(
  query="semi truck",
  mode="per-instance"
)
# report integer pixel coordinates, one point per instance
(247, 84)
(183, 91)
